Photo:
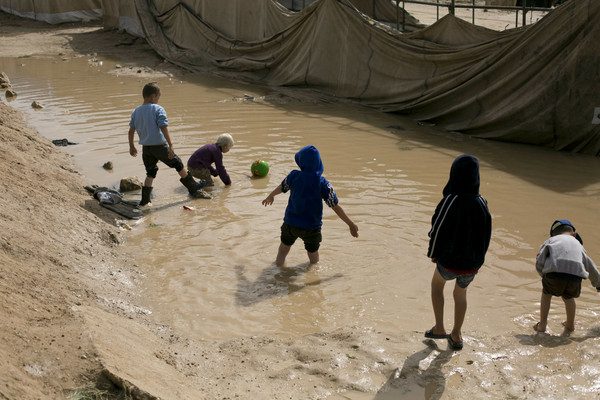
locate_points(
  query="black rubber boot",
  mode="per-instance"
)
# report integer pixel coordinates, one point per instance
(146, 190)
(192, 186)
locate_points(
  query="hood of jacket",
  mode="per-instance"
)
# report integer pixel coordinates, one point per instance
(309, 160)
(464, 176)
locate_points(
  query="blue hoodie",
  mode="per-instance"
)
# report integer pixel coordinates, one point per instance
(308, 189)
(461, 227)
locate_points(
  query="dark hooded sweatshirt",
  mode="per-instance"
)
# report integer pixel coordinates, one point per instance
(461, 226)
(308, 189)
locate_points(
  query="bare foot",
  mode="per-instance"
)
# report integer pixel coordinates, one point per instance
(568, 328)
(539, 328)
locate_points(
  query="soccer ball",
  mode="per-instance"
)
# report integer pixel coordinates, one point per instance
(259, 168)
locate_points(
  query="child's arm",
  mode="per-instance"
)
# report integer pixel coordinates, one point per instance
(540, 259)
(594, 274)
(165, 131)
(271, 197)
(340, 213)
(132, 149)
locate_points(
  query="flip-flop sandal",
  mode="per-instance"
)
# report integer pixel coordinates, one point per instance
(429, 334)
(535, 328)
(455, 345)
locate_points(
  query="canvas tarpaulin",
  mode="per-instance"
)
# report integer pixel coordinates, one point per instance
(54, 11)
(121, 15)
(536, 84)
(380, 10)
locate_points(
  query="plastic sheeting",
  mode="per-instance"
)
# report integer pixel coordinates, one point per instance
(54, 11)
(535, 85)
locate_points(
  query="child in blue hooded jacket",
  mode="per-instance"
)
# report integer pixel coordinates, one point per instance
(304, 212)
(461, 229)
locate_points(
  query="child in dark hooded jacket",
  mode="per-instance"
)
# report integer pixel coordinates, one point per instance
(461, 230)
(304, 212)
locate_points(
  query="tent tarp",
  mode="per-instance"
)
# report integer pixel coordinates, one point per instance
(55, 11)
(118, 14)
(536, 84)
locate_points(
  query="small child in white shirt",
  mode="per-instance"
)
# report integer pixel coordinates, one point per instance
(562, 263)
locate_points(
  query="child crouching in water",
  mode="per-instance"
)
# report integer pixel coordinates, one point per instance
(562, 263)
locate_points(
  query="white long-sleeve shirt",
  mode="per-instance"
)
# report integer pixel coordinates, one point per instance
(563, 253)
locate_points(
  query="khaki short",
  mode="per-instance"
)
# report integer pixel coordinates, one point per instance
(203, 174)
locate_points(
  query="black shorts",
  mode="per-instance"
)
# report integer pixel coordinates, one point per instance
(311, 237)
(562, 285)
(151, 155)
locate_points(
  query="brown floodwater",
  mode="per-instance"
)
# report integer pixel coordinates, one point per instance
(209, 271)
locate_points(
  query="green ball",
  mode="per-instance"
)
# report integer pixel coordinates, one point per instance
(259, 168)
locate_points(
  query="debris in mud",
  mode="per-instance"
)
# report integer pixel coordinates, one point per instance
(62, 142)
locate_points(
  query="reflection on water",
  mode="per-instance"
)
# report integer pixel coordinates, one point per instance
(210, 270)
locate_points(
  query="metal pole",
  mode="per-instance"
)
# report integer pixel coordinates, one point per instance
(473, 12)
(397, 15)
(524, 12)
(403, 15)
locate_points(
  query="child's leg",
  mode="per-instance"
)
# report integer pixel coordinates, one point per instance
(282, 254)
(437, 300)
(313, 257)
(570, 308)
(148, 181)
(460, 310)
(183, 173)
(544, 310)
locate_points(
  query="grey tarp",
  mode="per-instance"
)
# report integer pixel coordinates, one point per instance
(121, 15)
(537, 84)
(388, 11)
(54, 11)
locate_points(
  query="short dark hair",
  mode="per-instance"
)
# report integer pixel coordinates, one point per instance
(559, 230)
(150, 89)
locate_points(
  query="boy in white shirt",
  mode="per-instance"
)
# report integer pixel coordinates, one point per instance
(562, 263)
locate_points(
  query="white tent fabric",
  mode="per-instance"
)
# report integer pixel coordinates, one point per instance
(54, 11)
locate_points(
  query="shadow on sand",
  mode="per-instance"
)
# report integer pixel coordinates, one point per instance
(421, 376)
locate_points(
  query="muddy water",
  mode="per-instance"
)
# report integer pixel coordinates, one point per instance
(209, 271)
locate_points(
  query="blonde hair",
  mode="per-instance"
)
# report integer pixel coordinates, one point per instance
(225, 140)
